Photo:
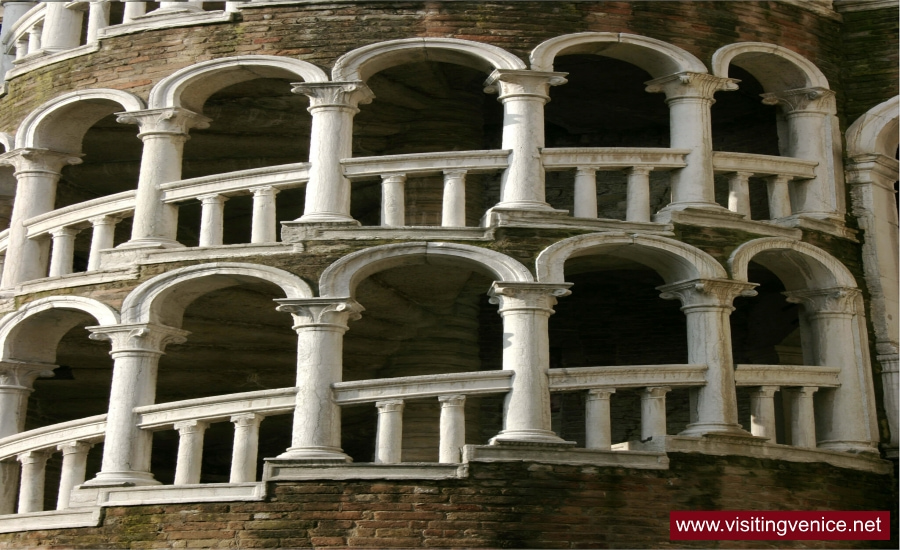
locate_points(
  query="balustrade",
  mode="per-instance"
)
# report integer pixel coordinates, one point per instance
(778, 173)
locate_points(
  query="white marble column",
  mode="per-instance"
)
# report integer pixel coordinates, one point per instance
(801, 416)
(31, 484)
(62, 251)
(320, 324)
(176, 7)
(246, 447)
(523, 95)
(637, 206)
(393, 200)
(164, 132)
(526, 309)
(890, 384)
(62, 27)
(333, 106)
(810, 130)
(739, 193)
(34, 38)
(136, 350)
(762, 412)
(841, 413)
(585, 192)
(389, 433)
(706, 304)
(132, 10)
(453, 427)
(102, 238)
(212, 219)
(779, 196)
(653, 412)
(453, 213)
(190, 451)
(689, 97)
(265, 218)
(74, 467)
(37, 172)
(597, 428)
(98, 18)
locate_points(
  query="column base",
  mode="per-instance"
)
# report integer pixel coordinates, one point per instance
(524, 205)
(524, 437)
(151, 243)
(846, 446)
(665, 213)
(314, 454)
(715, 428)
(122, 479)
(327, 217)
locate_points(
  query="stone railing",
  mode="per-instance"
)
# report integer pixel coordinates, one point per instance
(778, 172)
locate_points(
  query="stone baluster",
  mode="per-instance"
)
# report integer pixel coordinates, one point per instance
(333, 106)
(779, 196)
(12, 12)
(637, 205)
(74, 467)
(389, 433)
(320, 324)
(175, 7)
(62, 252)
(811, 129)
(22, 46)
(190, 451)
(526, 309)
(102, 238)
(706, 304)
(453, 427)
(212, 219)
(393, 200)
(164, 132)
(37, 172)
(136, 349)
(523, 95)
(689, 97)
(31, 484)
(453, 213)
(34, 38)
(653, 412)
(265, 218)
(62, 27)
(801, 416)
(133, 10)
(585, 192)
(890, 384)
(98, 18)
(598, 429)
(762, 412)
(739, 193)
(246, 447)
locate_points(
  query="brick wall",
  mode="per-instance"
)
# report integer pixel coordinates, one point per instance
(871, 60)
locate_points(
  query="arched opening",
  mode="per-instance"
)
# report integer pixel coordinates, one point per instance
(7, 187)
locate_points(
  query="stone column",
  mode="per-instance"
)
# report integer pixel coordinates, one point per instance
(16, 383)
(526, 310)
(164, 132)
(637, 206)
(62, 27)
(707, 305)
(62, 251)
(653, 412)
(689, 97)
(37, 171)
(102, 238)
(176, 7)
(31, 485)
(841, 413)
(762, 412)
(389, 434)
(809, 133)
(320, 325)
(98, 18)
(779, 195)
(12, 12)
(136, 350)
(801, 416)
(393, 200)
(132, 10)
(74, 466)
(333, 106)
(190, 451)
(585, 192)
(453, 427)
(598, 430)
(523, 95)
(246, 447)
(265, 217)
(453, 213)
(212, 219)
(739, 193)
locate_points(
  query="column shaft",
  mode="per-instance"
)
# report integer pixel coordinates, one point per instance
(62, 27)
(389, 434)
(453, 213)
(637, 206)
(190, 451)
(653, 412)
(762, 412)
(98, 18)
(246, 447)
(779, 197)
(74, 466)
(585, 192)
(31, 486)
(598, 429)
(212, 220)
(393, 200)
(62, 252)
(739, 193)
(265, 217)
(801, 416)
(102, 238)
(453, 427)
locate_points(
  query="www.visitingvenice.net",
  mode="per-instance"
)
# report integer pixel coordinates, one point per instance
(784, 525)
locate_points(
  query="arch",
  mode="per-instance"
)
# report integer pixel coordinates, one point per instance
(51, 329)
(799, 265)
(60, 124)
(164, 298)
(340, 279)
(876, 131)
(673, 260)
(8, 141)
(191, 86)
(654, 56)
(775, 67)
(362, 63)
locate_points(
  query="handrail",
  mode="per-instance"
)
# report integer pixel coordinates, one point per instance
(216, 408)
(110, 205)
(91, 428)
(635, 376)
(416, 387)
(763, 165)
(282, 177)
(426, 163)
(27, 20)
(613, 158)
(787, 375)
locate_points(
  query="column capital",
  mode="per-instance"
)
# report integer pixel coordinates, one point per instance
(655, 391)
(190, 426)
(812, 100)
(246, 420)
(334, 94)
(455, 400)
(321, 312)
(264, 191)
(764, 391)
(513, 296)
(521, 83)
(600, 393)
(34, 159)
(138, 337)
(34, 457)
(825, 300)
(706, 292)
(686, 85)
(17, 375)
(64, 232)
(74, 447)
(212, 198)
(173, 121)
(391, 405)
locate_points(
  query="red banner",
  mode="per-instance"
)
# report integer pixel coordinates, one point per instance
(779, 525)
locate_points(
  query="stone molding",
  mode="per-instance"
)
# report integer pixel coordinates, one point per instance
(701, 293)
(725, 56)
(803, 100)
(21, 375)
(169, 121)
(332, 313)
(138, 337)
(689, 85)
(32, 160)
